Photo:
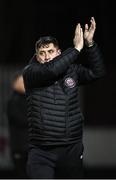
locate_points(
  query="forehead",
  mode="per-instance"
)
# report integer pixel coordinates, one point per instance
(46, 47)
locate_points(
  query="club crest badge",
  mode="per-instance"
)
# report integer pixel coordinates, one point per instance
(69, 82)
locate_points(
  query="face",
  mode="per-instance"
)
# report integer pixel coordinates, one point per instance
(47, 53)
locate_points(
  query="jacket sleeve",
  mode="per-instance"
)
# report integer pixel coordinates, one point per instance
(94, 68)
(38, 75)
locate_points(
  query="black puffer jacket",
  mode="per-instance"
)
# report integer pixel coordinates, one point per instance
(54, 114)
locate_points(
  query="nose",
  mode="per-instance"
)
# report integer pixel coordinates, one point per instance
(47, 56)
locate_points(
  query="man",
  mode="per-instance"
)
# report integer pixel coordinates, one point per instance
(52, 81)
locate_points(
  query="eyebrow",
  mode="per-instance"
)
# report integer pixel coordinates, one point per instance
(47, 50)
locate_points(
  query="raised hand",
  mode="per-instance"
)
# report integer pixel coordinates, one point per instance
(78, 38)
(89, 31)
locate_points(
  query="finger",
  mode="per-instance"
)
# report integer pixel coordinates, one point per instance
(77, 28)
(93, 19)
(81, 33)
(86, 27)
(93, 23)
(80, 29)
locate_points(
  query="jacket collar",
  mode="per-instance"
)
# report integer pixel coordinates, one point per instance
(33, 60)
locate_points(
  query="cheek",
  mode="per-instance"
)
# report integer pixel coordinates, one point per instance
(55, 54)
(40, 58)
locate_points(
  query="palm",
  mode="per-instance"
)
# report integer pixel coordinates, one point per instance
(88, 35)
(89, 31)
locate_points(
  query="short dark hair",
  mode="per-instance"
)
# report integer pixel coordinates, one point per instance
(46, 40)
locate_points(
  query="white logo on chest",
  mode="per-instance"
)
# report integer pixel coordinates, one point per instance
(69, 82)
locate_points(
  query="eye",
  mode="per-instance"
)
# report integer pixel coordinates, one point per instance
(41, 53)
(51, 51)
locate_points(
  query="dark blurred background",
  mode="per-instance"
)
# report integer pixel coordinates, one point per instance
(22, 23)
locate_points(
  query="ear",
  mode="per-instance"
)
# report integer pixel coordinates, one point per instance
(59, 51)
(37, 57)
